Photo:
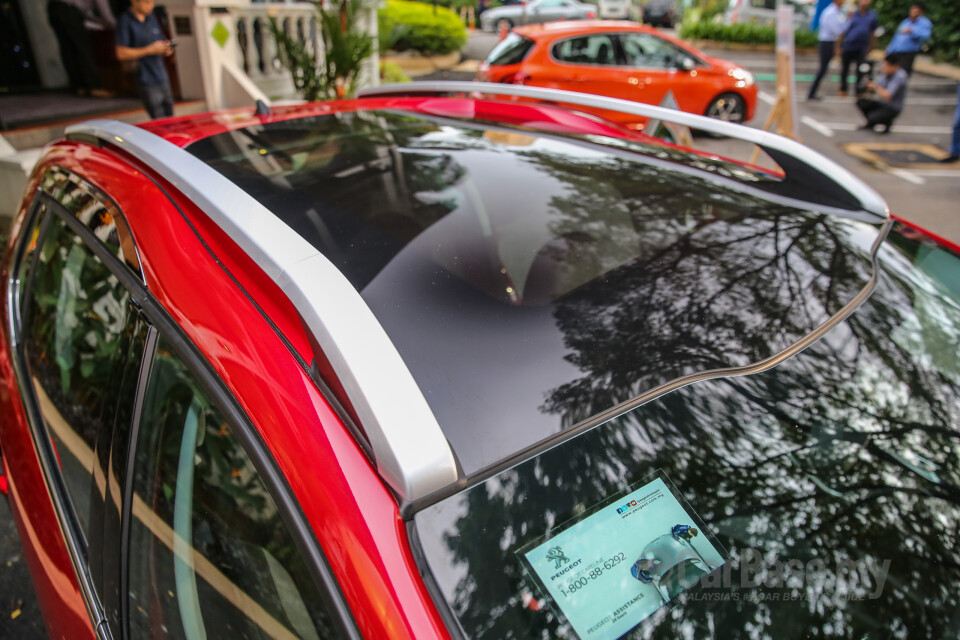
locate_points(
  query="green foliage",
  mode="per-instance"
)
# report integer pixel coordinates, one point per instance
(944, 43)
(391, 73)
(707, 9)
(414, 25)
(744, 32)
(346, 46)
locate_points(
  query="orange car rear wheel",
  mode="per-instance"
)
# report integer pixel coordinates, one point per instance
(730, 107)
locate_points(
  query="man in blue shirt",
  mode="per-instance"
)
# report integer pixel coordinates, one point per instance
(858, 38)
(910, 36)
(888, 93)
(832, 23)
(139, 38)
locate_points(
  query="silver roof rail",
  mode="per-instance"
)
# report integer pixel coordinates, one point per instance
(411, 452)
(792, 156)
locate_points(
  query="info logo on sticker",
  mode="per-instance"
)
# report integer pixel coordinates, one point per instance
(617, 565)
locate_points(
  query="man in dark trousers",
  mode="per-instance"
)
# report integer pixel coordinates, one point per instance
(887, 94)
(832, 23)
(139, 38)
(858, 38)
(955, 141)
(68, 18)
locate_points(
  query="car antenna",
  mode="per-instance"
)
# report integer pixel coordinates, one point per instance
(262, 109)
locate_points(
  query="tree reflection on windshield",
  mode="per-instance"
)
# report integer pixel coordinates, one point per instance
(840, 459)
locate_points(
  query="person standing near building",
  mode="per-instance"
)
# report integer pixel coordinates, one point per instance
(140, 38)
(910, 36)
(858, 39)
(832, 23)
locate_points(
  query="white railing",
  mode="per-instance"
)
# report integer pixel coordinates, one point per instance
(257, 51)
(239, 60)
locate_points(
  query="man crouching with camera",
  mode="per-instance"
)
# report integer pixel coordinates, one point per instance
(882, 99)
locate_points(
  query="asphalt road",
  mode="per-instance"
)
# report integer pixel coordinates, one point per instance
(19, 613)
(927, 196)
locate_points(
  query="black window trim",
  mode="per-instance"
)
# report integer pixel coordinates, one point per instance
(61, 176)
(447, 614)
(291, 514)
(619, 59)
(143, 377)
(53, 481)
(531, 45)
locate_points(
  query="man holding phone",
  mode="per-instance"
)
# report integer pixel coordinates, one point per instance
(140, 38)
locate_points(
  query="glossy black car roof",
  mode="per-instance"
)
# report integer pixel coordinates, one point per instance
(533, 280)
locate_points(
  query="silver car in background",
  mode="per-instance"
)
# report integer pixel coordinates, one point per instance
(617, 9)
(535, 12)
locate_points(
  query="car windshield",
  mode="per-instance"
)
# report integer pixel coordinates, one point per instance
(817, 499)
(533, 280)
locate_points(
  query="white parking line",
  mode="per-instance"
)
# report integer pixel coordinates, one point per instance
(937, 173)
(766, 97)
(817, 126)
(897, 128)
(907, 175)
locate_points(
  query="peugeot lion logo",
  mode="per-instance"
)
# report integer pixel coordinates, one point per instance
(556, 554)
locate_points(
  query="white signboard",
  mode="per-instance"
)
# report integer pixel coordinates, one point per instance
(619, 563)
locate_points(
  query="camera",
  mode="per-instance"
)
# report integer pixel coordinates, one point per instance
(865, 71)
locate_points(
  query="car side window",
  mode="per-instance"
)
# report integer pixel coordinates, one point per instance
(209, 553)
(76, 312)
(593, 49)
(650, 52)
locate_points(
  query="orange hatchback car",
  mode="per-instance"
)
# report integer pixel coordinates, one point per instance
(622, 60)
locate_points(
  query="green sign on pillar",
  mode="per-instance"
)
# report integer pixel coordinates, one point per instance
(220, 34)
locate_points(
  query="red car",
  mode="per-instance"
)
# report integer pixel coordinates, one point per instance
(435, 364)
(622, 60)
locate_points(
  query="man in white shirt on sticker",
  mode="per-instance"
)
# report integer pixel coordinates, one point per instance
(832, 23)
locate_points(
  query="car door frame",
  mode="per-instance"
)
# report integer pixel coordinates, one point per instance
(96, 601)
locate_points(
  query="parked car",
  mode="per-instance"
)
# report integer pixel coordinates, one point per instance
(614, 9)
(622, 60)
(765, 12)
(535, 12)
(427, 363)
(661, 13)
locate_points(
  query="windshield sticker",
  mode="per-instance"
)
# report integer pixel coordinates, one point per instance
(609, 569)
